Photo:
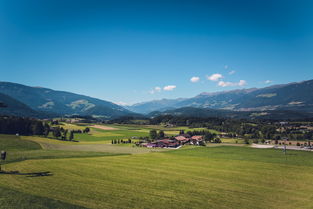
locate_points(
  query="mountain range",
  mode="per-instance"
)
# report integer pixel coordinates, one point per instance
(293, 100)
(47, 101)
(293, 97)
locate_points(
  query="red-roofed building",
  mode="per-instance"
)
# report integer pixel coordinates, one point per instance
(180, 138)
(197, 138)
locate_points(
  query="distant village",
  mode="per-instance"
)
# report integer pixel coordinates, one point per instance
(197, 138)
(176, 142)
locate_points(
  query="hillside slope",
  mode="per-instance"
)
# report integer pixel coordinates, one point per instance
(10, 106)
(60, 102)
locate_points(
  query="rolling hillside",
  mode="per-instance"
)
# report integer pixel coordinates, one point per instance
(60, 102)
(10, 106)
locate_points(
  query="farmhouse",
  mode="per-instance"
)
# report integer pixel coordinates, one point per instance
(196, 139)
(182, 139)
(164, 143)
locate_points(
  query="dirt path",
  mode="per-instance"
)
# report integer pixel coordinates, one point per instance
(104, 127)
(263, 146)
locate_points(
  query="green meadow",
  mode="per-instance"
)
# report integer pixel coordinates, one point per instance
(192, 177)
(122, 132)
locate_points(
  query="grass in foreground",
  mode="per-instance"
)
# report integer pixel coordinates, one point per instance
(12, 142)
(202, 177)
(20, 148)
(14, 199)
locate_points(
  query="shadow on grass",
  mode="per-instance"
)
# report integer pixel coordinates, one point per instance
(35, 174)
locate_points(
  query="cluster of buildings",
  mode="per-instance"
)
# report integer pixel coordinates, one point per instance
(176, 142)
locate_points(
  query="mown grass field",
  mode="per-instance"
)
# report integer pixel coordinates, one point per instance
(194, 177)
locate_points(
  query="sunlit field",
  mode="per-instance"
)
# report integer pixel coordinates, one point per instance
(122, 132)
(192, 177)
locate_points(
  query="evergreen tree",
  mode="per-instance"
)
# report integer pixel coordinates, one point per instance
(38, 128)
(71, 136)
(46, 130)
(153, 134)
(86, 130)
(161, 134)
(56, 132)
(65, 134)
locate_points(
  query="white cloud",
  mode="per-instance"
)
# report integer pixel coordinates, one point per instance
(226, 67)
(194, 79)
(215, 77)
(242, 83)
(232, 72)
(226, 84)
(268, 81)
(169, 88)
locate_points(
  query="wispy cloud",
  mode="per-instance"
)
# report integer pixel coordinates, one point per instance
(226, 67)
(226, 84)
(158, 89)
(268, 81)
(169, 88)
(194, 79)
(215, 77)
(232, 72)
(155, 90)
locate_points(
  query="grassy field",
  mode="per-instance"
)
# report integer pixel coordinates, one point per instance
(123, 132)
(20, 148)
(193, 177)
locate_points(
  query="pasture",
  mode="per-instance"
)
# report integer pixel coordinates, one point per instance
(106, 133)
(193, 177)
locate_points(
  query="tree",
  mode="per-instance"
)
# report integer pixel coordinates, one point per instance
(246, 141)
(153, 134)
(308, 136)
(71, 136)
(161, 134)
(208, 136)
(65, 134)
(202, 143)
(56, 132)
(86, 130)
(217, 140)
(38, 128)
(46, 129)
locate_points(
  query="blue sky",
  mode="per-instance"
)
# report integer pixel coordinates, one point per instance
(134, 51)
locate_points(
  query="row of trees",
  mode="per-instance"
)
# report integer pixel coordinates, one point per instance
(60, 133)
(117, 141)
